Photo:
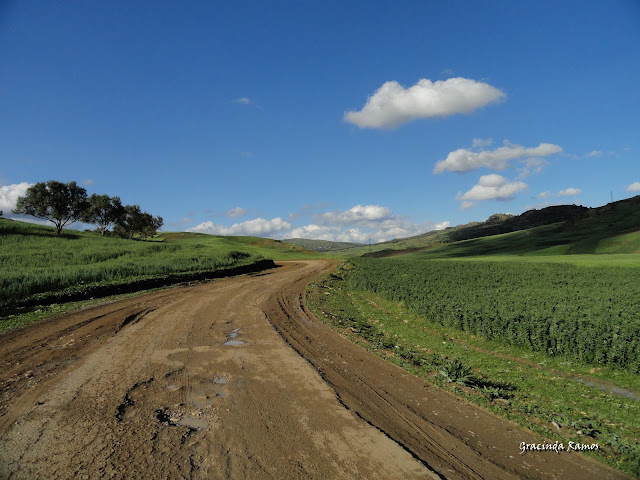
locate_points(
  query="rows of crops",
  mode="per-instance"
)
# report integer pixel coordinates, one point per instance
(591, 314)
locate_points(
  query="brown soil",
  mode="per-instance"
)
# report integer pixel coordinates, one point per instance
(147, 388)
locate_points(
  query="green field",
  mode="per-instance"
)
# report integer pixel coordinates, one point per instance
(37, 266)
(414, 320)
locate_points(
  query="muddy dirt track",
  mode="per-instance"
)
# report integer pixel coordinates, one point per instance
(195, 382)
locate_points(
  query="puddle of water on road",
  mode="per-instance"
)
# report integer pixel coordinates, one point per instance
(611, 389)
(171, 387)
(193, 422)
(233, 342)
(220, 380)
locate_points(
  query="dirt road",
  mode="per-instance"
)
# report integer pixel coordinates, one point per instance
(195, 382)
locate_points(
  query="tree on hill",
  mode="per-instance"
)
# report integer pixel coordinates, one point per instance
(57, 202)
(134, 220)
(103, 211)
(150, 225)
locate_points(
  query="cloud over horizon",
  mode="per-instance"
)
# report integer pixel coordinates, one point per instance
(634, 187)
(358, 215)
(464, 160)
(255, 227)
(491, 187)
(392, 104)
(360, 224)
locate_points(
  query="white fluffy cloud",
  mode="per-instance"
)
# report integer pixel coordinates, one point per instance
(492, 187)
(464, 160)
(361, 224)
(375, 232)
(634, 187)
(392, 104)
(257, 227)
(243, 101)
(236, 212)
(569, 192)
(9, 195)
(358, 215)
(315, 232)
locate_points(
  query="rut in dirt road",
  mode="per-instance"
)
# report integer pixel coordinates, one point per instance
(197, 383)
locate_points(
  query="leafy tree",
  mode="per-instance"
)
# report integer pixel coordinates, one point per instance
(57, 202)
(150, 225)
(133, 221)
(103, 211)
(129, 221)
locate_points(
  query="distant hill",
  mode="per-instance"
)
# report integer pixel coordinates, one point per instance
(321, 245)
(561, 229)
(501, 223)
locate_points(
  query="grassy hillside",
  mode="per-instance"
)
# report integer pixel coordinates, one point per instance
(37, 266)
(611, 229)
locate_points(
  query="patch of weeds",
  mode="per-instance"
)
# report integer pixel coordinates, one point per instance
(454, 371)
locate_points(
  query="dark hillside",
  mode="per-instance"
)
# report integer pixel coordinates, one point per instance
(497, 224)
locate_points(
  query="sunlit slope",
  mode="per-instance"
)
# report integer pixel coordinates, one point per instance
(611, 229)
(35, 263)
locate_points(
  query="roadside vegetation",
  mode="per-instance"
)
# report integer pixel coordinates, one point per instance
(588, 314)
(39, 267)
(559, 396)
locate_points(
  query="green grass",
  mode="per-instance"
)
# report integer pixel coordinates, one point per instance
(36, 264)
(536, 391)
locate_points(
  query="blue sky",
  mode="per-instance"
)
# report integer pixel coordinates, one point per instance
(333, 120)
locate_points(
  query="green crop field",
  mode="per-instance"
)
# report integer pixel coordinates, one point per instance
(552, 346)
(589, 314)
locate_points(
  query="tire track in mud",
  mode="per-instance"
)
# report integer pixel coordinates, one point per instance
(453, 438)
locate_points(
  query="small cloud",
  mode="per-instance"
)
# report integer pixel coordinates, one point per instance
(634, 187)
(448, 72)
(595, 153)
(464, 160)
(493, 187)
(315, 232)
(245, 154)
(392, 104)
(569, 192)
(481, 143)
(236, 212)
(466, 204)
(88, 182)
(356, 215)
(243, 101)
